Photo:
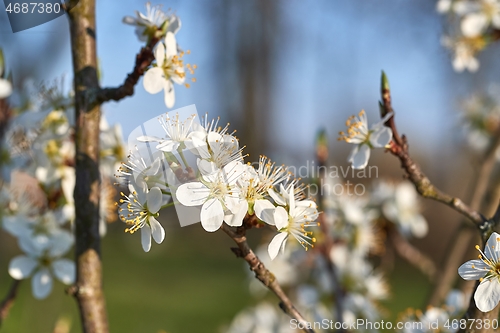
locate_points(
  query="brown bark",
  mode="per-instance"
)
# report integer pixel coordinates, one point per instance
(88, 288)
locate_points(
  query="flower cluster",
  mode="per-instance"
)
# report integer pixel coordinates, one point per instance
(352, 224)
(154, 24)
(169, 67)
(39, 181)
(445, 318)
(224, 188)
(480, 118)
(353, 227)
(477, 25)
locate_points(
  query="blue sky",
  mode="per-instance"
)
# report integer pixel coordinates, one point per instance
(328, 66)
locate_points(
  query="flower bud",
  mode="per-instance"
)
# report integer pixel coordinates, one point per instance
(384, 83)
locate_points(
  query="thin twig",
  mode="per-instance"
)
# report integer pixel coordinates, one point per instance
(262, 273)
(142, 61)
(411, 254)
(463, 235)
(457, 250)
(8, 301)
(399, 148)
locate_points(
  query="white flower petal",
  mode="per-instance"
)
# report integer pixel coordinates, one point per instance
(474, 24)
(160, 54)
(64, 270)
(169, 93)
(154, 80)
(31, 247)
(168, 146)
(239, 212)
(280, 216)
(154, 200)
(5, 88)
(487, 295)
(381, 137)
(68, 183)
(276, 244)
(467, 272)
(192, 194)
(16, 225)
(291, 199)
(212, 215)
(171, 44)
(201, 147)
(458, 64)
(495, 21)
(157, 230)
(174, 24)
(41, 283)
(147, 138)
(207, 167)
(492, 248)
(60, 243)
(277, 197)
(443, 6)
(359, 156)
(146, 238)
(472, 64)
(22, 267)
(419, 227)
(264, 210)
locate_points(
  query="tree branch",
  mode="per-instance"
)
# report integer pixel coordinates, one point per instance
(457, 250)
(261, 272)
(8, 301)
(463, 235)
(88, 288)
(411, 254)
(142, 61)
(399, 148)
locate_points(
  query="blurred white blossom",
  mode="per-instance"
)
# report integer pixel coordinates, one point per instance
(42, 261)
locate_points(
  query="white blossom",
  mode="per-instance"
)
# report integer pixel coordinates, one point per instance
(365, 139)
(218, 194)
(178, 134)
(169, 69)
(402, 209)
(486, 269)
(154, 19)
(139, 210)
(293, 220)
(42, 261)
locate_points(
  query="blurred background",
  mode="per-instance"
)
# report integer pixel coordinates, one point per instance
(278, 71)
